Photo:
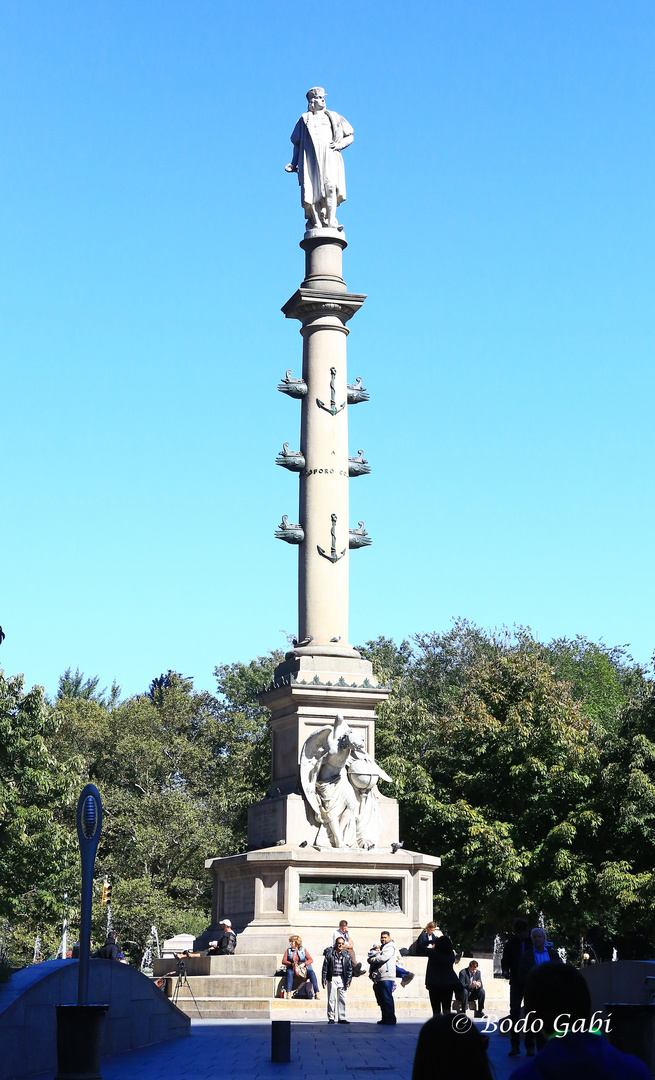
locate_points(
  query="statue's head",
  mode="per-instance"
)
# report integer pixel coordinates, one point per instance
(316, 98)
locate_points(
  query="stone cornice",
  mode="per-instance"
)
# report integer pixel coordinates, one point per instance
(313, 304)
(342, 858)
(337, 693)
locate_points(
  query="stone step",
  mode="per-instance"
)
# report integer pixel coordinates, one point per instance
(239, 964)
(230, 1008)
(263, 986)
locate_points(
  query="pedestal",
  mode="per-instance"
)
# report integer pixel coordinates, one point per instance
(307, 694)
(273, 892)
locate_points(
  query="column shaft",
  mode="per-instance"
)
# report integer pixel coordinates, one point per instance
(323, 578)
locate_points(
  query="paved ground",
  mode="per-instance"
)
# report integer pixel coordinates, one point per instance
(238, 1049)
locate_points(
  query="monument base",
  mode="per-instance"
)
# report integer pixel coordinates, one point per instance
(273, 892)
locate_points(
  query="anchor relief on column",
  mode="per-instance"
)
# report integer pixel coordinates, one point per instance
(332, 407)
(332, 557)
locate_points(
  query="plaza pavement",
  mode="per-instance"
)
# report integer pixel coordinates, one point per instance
(239, 1049)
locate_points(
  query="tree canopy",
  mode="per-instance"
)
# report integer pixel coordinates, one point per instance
(528, 767)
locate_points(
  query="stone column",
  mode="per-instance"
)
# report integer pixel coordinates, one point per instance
(323, 305)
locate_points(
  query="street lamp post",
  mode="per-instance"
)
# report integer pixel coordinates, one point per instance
(79, 1027)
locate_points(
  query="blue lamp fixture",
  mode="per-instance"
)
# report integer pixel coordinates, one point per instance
(89, 825)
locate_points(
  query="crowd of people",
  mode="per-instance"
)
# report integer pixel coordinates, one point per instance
(541, 987)
(340, 966)
(550, 998)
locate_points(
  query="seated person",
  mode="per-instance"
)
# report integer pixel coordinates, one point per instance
(108, 951)
(227, 942)
(473, 990)
(426, 939)
(558, 995)
(348, 944)
(295, 955)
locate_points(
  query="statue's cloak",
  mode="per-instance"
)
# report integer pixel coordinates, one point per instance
(314, 163)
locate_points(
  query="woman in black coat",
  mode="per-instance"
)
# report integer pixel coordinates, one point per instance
(440, 978)
(426, 940)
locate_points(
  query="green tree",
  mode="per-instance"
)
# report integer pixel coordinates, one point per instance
(177, 771)
(37, 850)
(627, 792)
(75, 686)
(503, 794)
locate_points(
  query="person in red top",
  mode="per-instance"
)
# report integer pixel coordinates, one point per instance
(295, 956)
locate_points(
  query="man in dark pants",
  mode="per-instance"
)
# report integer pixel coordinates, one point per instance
(473, 990)
(538, 952)
(512, 953)
(382, 961)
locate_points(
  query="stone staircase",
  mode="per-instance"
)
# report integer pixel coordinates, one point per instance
(246, 988)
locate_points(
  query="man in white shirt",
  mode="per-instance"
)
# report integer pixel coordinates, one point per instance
(348, 944)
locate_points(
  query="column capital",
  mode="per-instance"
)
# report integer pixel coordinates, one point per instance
(311, 304)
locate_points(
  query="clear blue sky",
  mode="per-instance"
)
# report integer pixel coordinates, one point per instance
(500, 215)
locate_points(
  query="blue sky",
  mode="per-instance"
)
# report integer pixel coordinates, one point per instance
(499, 216)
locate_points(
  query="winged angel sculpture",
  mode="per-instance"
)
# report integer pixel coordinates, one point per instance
(339, 780)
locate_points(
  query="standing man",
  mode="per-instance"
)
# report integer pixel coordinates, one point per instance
(512, 953)
(318, 139)
(471, 981)
(538, 952)
(348, 944)
(337, 975)
(382, 961)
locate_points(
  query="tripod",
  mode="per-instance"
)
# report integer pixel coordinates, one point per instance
(182, 979)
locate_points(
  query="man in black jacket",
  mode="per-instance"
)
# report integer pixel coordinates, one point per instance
(108, 951)
(512, 953)
(471, 981)
(337, 975)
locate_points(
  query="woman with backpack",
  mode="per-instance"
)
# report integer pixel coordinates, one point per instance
(298, 961)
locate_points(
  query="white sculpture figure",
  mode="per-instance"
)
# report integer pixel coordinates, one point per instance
(339, 779)
(318, 139)
(364, 774)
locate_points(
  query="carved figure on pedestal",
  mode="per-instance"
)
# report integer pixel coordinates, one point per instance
(339, 780)
(318, 139)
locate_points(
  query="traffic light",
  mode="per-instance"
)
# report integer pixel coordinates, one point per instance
(106, 893)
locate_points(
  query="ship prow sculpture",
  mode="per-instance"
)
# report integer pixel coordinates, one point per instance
(324, 843)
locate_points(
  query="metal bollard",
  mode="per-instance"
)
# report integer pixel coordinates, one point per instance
(280, 1040)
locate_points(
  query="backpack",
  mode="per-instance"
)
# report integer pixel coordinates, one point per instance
(305, 990)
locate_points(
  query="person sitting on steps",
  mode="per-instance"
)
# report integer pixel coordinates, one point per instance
(348, 944)
(298, 961)
(473, 990)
